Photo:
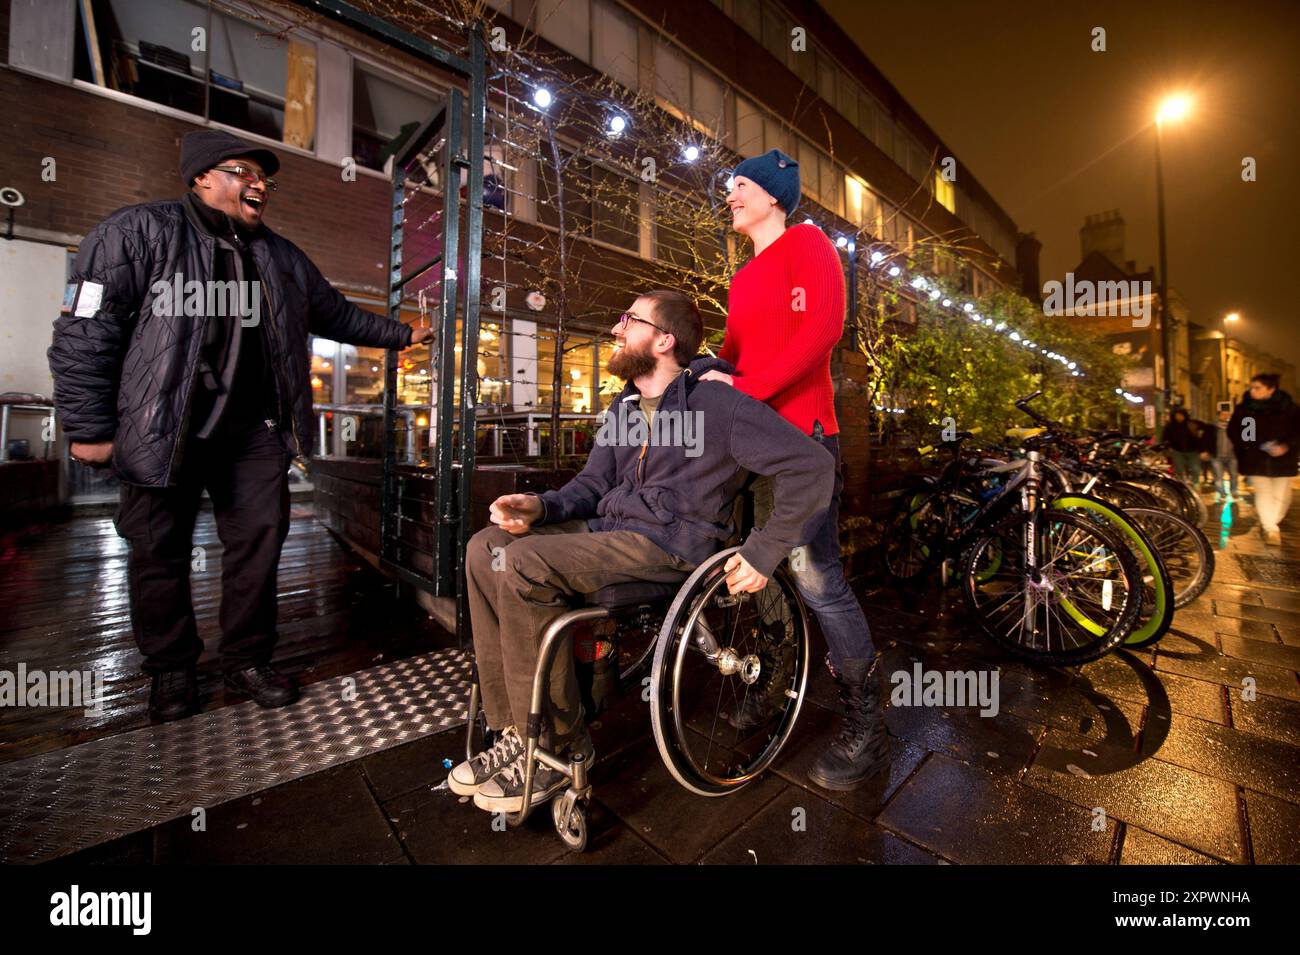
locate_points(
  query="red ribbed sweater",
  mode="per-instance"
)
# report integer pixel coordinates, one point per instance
(782, 353)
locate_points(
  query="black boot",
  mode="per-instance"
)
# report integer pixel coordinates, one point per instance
(267, 687)
(861, 749)
(174, 694)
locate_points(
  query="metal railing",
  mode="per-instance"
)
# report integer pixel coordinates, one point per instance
(511, 435)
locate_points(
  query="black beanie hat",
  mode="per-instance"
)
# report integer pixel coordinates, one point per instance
(205, 148)
(777, 173)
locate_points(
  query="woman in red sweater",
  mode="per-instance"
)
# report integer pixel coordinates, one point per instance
(785, 314)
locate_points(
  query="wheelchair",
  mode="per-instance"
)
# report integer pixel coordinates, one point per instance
(698, 653)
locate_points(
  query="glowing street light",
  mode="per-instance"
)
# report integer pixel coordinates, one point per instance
(1173, 108)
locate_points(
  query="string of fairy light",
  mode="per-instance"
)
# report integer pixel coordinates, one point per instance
(882, 260)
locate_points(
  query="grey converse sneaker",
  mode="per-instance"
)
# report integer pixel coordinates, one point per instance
(504, 792)
(466, 778)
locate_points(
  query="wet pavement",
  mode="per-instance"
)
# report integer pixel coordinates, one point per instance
(1162, 755)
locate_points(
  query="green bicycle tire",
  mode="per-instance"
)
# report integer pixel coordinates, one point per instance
(1162, 612)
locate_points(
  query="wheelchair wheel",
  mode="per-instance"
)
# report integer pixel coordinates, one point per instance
(714, 651)
(573, 830)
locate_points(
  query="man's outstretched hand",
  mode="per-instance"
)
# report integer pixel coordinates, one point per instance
(420, 335)
(95, 455)
(515, 512)
(741, 577)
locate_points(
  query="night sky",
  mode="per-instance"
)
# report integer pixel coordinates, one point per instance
(1056, 131)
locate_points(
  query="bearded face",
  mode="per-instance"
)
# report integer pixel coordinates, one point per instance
(632, 361)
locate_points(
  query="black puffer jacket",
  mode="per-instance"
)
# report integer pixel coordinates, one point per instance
(126, 375)
(1276, 419)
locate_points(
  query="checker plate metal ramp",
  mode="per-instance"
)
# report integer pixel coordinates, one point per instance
(59, 802)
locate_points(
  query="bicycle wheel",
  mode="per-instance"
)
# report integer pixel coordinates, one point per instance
(1124, 495)
(912, 536)
(1157, 613)
(714, 650)
(1080, 601)
(1175, 496)
(1186, 551)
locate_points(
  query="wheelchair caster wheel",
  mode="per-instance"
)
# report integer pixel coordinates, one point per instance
(573, 829)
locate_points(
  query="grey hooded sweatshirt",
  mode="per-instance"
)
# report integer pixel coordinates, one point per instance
(676, 481)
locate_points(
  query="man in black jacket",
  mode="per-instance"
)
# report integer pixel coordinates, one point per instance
(181, 358)
(1265, 432)
(653, 501)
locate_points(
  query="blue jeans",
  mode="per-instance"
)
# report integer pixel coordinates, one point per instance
(819, 575)
(1220, 465)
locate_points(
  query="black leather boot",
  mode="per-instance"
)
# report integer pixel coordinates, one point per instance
(267, 687)
(861, 749)
(174, 694)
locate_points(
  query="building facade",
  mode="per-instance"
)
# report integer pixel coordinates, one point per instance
(97, 96)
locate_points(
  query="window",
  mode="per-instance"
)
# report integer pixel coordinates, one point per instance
(145, 48)
(749, 128)
(576, 180)
(885, 133)
(576, 372)
(832, 185)
(861, 206)
(613, 43)
(825, 77)
(615, 201)
(256, 79)
(900, 148)
(708, 103)
(944, 193)
(673, 238)
(567, 24)
(672, 75)
(777, 137)
(847, 99)
(809, 170)
(918, 160)
(261, 83)
(380, 108)
(610, 385)
(776, 33)
(748, 14)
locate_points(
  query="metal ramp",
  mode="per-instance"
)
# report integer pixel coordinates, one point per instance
(74, 798)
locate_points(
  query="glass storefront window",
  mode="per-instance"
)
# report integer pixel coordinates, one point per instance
(576, 382)
(610, 385)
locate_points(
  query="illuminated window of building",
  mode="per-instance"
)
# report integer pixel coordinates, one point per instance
(944, 192)
(610, 385)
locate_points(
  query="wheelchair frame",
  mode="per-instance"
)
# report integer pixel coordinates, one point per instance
(569, 807)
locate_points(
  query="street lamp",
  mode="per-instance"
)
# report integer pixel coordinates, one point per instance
(1171, 109)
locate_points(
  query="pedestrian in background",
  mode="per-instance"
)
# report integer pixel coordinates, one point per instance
(1265, 433)
(1182, 437)
(1223, 457)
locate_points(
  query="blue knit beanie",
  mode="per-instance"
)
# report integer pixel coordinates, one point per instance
(777, 173)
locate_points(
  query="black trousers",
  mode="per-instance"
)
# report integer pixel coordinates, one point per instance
(245, 472)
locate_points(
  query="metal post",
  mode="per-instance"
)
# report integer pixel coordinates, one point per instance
(389, 497)
(1166, 339)
(474, 152)
(443, 452)
(853, 295)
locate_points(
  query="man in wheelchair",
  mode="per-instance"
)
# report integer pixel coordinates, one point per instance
(654, 500)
